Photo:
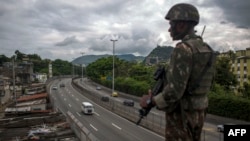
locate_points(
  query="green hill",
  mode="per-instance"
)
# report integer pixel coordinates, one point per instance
(159, 54)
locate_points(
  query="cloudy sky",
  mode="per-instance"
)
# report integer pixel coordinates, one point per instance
(67, 29)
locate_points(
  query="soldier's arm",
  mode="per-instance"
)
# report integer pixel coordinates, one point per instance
(177, 77)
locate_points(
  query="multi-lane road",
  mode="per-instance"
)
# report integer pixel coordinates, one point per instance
(104, 124)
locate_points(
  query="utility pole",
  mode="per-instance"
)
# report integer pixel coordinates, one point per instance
(50, 69)
(82, 66)
(113, 78)
(14, 82)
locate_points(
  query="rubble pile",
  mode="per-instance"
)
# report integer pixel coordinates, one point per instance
(43, 128)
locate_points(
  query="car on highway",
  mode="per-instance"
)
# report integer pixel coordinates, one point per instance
(105, 98)
(54, 88)
(114, 94)
(220, 127)
(62, 85)
(128, 102)
(98, 88)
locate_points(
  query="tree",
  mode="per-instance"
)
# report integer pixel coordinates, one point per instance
(3, 59)
(19, 55)
(103, 67)
(61, 67)
(246, 90)
(223, 75)
(34, 57)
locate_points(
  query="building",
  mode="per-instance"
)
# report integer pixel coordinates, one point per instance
(28, 104)
(40, 77)
(35, 88)
(5, 93)
(23, 71)
(241, 65)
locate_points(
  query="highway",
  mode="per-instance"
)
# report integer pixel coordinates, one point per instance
(106, 125)
(103, 124)
(209, 133)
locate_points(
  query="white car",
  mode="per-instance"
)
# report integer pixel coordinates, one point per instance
(98, 88)
(54, 88)
(220, 128)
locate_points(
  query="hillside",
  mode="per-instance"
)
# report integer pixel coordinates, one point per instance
(159, 54)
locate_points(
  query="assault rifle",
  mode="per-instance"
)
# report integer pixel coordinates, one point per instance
(159, 76)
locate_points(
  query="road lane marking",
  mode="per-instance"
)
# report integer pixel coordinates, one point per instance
(69, 105)
(64, 99)
(209, 129)
(77, 99)
(155, 113)
(96, 114)
(93, 127)
(78, 114)
(117, 126)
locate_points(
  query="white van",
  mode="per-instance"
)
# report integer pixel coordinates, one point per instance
(87, 108)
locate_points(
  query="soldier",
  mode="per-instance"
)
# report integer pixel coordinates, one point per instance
(188, 78)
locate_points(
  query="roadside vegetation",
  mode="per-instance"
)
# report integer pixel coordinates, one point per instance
(225, 98)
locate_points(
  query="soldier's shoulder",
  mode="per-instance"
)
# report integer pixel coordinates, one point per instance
(183, 46)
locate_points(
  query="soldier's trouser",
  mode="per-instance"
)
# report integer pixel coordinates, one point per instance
(189, 130)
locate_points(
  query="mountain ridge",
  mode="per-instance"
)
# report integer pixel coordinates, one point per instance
(87, 59)
(158, 54)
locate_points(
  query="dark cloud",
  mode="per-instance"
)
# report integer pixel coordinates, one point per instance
(110, 7)
(235, 11)
(58, 16)
(223, 22)
(123, 45)
(42, 25)
(140, 33)
(68, 41)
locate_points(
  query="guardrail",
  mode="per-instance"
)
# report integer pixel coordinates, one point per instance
(81, 132)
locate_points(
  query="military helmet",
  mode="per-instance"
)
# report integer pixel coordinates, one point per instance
(183, 12)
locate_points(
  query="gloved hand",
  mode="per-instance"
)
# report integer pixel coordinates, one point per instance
(147, 101)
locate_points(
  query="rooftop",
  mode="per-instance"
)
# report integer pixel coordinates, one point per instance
(32, 97)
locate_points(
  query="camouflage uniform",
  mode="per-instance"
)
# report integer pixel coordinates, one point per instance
(184, 100)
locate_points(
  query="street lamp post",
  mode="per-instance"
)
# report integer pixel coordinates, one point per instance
(73, 69)
(82, 66)
(113, 78)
